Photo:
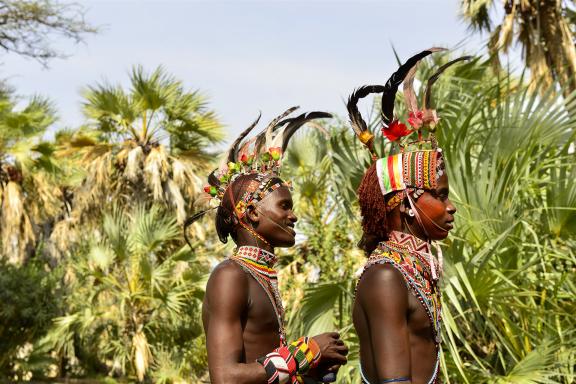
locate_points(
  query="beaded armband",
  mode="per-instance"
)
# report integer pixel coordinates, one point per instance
(287, 363)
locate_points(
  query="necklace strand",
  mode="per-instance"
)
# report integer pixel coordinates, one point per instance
(259, 264)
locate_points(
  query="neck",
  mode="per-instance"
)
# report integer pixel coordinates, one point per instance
(244, 237)
(398, 223)
(251, 241)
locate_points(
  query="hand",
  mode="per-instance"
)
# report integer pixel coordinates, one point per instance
(324, 373)
(332, 349)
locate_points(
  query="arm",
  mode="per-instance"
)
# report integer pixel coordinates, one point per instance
(385, 304)
(227, 298)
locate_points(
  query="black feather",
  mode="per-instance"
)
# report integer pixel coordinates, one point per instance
(233, 151)
(189, 221)
(389, 93)
(295, 123)
(213, 180)
(273, 126)
(358, 123)
(432, 79)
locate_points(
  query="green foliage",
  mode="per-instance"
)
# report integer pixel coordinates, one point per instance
(29, 194)
(155, 108)
(29, 303)
(132, 300)
(508, 302)
(318, 277)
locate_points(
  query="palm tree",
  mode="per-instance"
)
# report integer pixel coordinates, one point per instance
(133, 299)
(29, 193)
(542, 28)
(508, 307)
(147, 144)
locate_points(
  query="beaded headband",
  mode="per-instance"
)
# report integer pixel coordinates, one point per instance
(258, 188)
(260, 155)
(419, 164)
(409, 171)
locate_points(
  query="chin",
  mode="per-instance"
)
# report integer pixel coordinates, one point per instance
(439, 235)
(285, 243)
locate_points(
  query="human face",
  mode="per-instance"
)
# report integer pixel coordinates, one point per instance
(436, 210)
(275, 219)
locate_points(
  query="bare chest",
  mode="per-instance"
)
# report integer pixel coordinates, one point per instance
(419, 321)
(260, 326)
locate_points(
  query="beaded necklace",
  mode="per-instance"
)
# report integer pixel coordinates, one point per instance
(411, 257)
(259, 263)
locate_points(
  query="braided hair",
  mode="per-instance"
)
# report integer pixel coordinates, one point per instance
(373, 210)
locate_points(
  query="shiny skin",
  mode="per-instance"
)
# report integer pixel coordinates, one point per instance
(238, 317)
(396, 337)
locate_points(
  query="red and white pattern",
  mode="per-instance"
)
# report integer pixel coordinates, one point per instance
(258, 255)
(412, 243)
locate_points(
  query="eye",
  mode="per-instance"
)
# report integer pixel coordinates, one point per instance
(441, 195)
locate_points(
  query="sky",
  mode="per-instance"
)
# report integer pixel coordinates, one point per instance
(245, 56)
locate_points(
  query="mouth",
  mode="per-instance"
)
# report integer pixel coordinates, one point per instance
(291, 229)
(449, 225)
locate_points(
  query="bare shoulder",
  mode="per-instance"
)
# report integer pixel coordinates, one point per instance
(227, 280)
(228, 270)
(381, 280)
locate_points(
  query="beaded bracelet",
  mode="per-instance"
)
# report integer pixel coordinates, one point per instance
(287, 363)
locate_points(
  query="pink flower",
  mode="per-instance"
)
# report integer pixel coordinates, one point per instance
(396, 130)
(415, 119)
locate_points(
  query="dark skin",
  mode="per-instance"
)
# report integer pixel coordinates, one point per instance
(396, 336)
(238, 317)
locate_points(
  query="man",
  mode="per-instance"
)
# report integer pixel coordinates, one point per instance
(242, 311)
(405, 206)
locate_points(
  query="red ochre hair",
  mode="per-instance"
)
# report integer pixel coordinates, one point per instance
(373, 210)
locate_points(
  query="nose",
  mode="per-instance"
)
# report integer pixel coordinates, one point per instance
(292, 217)
(450, 208)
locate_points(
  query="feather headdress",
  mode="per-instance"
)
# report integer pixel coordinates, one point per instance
(414, 168)
(260, 155)
(392, 128)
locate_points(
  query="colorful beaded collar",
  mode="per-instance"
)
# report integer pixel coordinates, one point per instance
(256, 254)
(406, 242)
(259, 263)
(407, 254)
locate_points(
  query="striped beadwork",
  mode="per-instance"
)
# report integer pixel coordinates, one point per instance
(287, 364)
(414, 169)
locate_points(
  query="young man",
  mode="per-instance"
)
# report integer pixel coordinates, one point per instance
(242, 311)
(405, 206)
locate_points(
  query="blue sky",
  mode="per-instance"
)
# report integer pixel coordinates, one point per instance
(245, 56)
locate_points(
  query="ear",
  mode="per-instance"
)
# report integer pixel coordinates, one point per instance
(404, 208)
(252, 214)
